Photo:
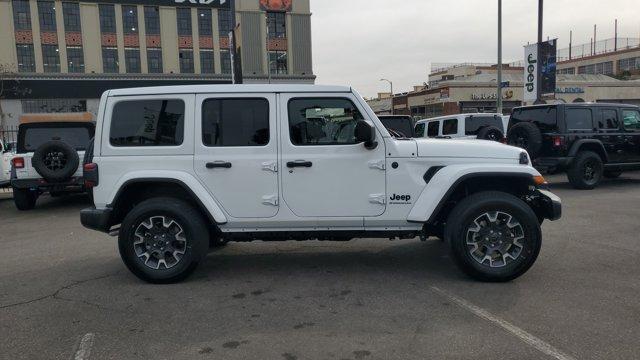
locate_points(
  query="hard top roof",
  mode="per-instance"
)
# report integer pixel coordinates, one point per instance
(243, 88)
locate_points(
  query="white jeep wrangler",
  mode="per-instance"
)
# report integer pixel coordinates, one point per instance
(177, 169)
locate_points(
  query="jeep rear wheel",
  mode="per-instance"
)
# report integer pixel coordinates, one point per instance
(585, 173)
(163, 240)
(494, 236)
(24, 199)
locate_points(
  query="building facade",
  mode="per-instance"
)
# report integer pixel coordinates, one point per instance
(59, 56)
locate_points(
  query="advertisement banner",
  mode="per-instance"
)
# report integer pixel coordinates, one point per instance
(276, 5)
(531, 73)
(547, 68)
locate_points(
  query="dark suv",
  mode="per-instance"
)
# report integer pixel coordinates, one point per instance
(588, 141)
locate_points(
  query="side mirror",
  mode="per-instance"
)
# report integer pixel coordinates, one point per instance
(366, 134)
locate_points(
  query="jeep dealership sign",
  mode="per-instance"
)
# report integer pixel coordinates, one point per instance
(531, 73)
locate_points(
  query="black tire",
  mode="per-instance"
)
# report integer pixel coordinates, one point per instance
(612, 174)
(586, 171)
(195, 244)
(491, 133)
(461, 221)
(25, 199)
(526, 135)
(55, 161)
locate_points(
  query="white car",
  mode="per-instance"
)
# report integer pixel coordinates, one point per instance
(174, 169)
(483, 126)
(7, 151)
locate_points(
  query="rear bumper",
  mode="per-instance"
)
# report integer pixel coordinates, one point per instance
(548, 204)
(75, 184)
(552, 164)
(96, 219)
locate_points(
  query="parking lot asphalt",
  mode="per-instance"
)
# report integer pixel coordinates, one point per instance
(65, 293)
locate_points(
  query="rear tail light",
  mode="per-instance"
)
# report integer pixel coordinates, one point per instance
(504, 140)
(558, 141)
(17, 162)
(90, 175)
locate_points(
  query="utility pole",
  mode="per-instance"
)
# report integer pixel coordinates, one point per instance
(391, 84)
(595, 33)
(570, 42)
(615, 37)
(266, 16)
(499, 94)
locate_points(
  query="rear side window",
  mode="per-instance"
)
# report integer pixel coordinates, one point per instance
(473, 124)
(323, 121)
(631, 119)
(450, 127)
(608, 120)
(235, 122)
(544, 117)
(433, 129)
(420, 130)
(147, 123)
(77, 137)
(579, 119)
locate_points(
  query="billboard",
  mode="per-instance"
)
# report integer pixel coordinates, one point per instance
(547, 67)
(276, 5)
(531, 73)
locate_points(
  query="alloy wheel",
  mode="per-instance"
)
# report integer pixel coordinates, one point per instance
(495, 239)
(160, 242)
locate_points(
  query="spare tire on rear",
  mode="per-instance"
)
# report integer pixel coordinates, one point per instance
(55, 161)
(491, 133)
(526, 135)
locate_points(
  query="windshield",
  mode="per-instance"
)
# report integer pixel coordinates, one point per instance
(400, 124)
(77, 137)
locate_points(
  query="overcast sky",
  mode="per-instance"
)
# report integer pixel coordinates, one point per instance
(357, 42)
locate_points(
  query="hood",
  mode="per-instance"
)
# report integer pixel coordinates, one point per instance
(466, 149)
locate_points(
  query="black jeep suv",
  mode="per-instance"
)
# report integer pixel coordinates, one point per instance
(588, 140)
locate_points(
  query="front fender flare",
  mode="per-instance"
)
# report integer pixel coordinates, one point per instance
(435, 194)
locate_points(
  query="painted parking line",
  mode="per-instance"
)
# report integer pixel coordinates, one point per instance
(84, 349)
(526, 337)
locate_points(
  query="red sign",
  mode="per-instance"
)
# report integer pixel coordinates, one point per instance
(276, 5)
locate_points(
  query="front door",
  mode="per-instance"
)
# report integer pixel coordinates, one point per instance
(236, 152)
(610, 133)
(325, 173)
(631, 125)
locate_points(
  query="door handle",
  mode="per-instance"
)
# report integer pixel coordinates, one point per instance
(299, 163)
(218, 165)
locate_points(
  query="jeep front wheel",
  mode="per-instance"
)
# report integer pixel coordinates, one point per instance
(162, 240)
(494, 236)
(586, 171)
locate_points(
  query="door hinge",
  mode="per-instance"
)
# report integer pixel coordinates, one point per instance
(380, 164)
(270, 166)
(270, 200)
(380, 199)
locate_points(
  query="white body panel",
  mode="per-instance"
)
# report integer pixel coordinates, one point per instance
(5, 164)
(461, 132)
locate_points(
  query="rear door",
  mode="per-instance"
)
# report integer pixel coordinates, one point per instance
(236, 152)
(610, 133)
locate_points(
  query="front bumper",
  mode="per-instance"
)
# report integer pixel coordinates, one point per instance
(96, 219)
(548, 204)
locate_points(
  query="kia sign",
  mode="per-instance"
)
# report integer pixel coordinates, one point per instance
(531, 73)
(182, 3)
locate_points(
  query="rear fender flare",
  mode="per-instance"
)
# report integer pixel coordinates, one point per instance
(575, 148)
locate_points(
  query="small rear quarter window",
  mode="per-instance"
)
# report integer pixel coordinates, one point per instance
(147, 123)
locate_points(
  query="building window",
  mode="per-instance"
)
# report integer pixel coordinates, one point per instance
(277, 25)
(278, 62)
(47, 15)
(154, 61)
(21, 15)
(184, 21)
(107, 19)
(130, 19)
(204, 22)
(186, 61)
(51, 58)
(569, 71)
(75, 59)
(71, 14)
(605, 68)
(206, 61)
(26, 58)
(225, 22)
(630, 64)
(152, 20)
(53, 106)
(225, 61)
(110, 60)
(132, 60)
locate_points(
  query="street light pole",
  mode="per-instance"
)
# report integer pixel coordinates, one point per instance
(390, 84)
(499, 94)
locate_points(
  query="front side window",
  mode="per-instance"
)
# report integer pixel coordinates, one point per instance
(323, 121)
(450, 127)
(110, 60)
(154, 60)
(152, 20)
(130, 19)
(75, 59)
(609, 120)
(26, 58)
(51, 58)
(204, 22)
(277, 25)
(235, 122)
(184, 21)
(579, 119)
(147, 123)
(21, 15)
(132, 60)
(107, 18)
(186, 61)
(433, 129)
(631, 120)
(71, 15)
(47, 15)
(420, 130)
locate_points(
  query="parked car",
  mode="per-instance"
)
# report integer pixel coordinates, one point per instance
(589, 141)
(400, 125)
(464, 126)
(48, 160)
(223, 162)
(7, 150)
